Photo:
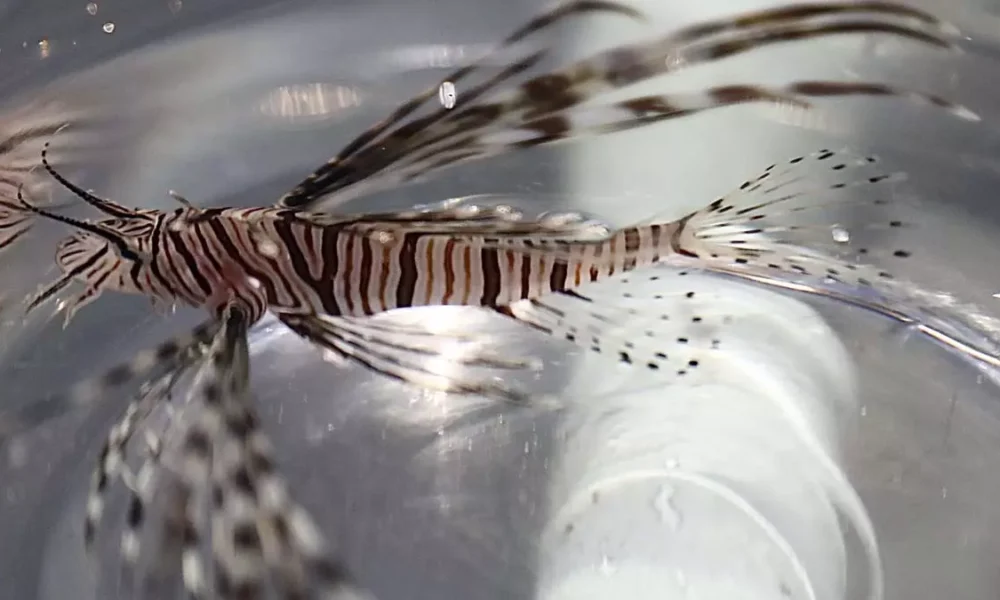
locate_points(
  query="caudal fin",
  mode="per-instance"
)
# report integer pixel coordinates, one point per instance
(832, 224)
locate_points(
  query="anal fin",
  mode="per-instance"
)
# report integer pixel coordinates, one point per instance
(664, 334)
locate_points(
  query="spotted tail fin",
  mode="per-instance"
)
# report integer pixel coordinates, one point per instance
(829, 224)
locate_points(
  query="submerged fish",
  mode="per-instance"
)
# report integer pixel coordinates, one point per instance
(535, 270)
(764, 226)
(324, 274)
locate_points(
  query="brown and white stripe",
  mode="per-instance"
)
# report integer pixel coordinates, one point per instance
(512, 110)
(343, 269)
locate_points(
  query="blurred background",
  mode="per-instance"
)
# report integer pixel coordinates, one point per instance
(766, 478)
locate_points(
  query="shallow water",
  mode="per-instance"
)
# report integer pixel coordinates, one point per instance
(427, 498)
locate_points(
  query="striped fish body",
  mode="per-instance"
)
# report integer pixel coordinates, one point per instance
(346, 272)
(299, 263)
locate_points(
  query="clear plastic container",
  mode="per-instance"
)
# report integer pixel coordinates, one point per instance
(828, 455)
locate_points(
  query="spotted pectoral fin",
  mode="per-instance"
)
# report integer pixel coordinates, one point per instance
(157, 528)
(260, 537)
(421, 358)
(153, 533)
(112, 464)
(549, 108)
(214, 514)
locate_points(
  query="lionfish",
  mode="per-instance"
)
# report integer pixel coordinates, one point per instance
(325, 274)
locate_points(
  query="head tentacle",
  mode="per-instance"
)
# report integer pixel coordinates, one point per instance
(120, 242)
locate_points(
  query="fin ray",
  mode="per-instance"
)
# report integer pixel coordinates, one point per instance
(303, 194)
(229, 526)
(666, 344)
(578, 122)
(465, 219)
(547, 95)
(786, 229)
(349, 340)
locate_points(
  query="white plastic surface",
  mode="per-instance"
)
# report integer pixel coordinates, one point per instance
(724, 486)
(719, 486)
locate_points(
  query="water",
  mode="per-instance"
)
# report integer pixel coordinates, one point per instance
(438, 497)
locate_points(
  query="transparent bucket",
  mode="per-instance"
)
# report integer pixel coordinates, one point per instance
(828, 454)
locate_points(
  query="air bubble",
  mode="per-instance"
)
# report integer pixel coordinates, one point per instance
(561, 219)
(268, 248)
(447, 95)
(108, 27)
(681, 578)
(840, 235)
(17, 455)
(92, 8)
